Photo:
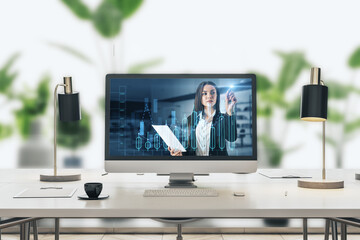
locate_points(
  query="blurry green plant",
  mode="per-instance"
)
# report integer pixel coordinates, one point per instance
(71, 51)
(340, 118)
(108, 16)
(74, 135)
(272, 96)
(33, 102)
(107, 20)
(6, 79)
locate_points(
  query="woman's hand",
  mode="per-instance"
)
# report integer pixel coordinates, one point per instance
(230, 101)
(174, 153)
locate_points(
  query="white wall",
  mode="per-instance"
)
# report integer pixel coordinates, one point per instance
(192, 37)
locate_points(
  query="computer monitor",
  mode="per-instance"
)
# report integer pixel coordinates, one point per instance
(213, 116)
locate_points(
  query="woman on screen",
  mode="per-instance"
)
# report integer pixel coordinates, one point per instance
(207, 127)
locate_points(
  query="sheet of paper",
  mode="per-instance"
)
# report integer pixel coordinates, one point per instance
(277, 174)
(65, 192)
(168, 137)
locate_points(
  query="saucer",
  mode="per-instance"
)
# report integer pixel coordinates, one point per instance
(86, 197)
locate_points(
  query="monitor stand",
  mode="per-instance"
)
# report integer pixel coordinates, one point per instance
(181, 180)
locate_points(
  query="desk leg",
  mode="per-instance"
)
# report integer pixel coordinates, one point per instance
(35, 231)
(57, 228)
(25, 231)
(179, 232)
(22, 231)
(334, 231)
(305, 229)
(327, 229)
(343, 231)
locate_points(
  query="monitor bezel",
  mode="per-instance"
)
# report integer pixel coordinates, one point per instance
(183, 158)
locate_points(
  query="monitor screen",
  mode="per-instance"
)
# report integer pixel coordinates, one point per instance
(212, 116)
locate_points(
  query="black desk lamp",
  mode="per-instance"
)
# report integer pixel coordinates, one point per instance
(69, 110)
(314, 100)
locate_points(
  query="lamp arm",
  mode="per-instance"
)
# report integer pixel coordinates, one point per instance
(55, 103)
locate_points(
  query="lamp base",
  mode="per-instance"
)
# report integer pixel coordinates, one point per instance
(321, 184)
(60, 178)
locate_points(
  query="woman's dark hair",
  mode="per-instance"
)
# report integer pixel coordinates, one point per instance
(198, 107)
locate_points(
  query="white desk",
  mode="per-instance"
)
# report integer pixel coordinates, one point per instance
(264, 197)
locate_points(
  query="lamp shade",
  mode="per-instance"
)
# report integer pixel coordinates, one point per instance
(314, 98)
(69, 107)
(314, 101)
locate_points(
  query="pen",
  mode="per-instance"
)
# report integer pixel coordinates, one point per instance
(42, 188)
(290, 176)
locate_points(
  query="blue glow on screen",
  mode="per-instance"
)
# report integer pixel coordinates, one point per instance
(137, 104)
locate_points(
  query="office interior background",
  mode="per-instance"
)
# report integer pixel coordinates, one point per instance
(279, 40)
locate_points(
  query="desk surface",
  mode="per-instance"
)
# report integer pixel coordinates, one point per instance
(264, 197)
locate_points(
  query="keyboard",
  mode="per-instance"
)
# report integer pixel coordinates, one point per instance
(181, 192)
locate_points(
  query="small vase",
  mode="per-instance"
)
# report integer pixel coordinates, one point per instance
(35, 152)
(73, 162)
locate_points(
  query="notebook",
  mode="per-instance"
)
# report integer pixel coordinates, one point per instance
(66, 192)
